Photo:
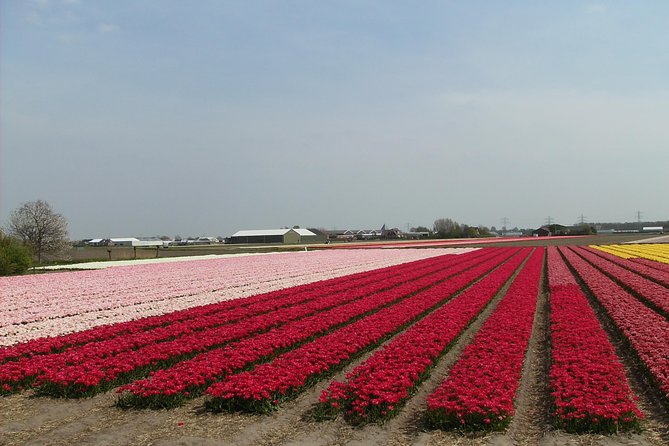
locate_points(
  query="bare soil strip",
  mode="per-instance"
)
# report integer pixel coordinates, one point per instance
(532, 416)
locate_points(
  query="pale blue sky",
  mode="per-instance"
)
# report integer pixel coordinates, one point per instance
(174, 117)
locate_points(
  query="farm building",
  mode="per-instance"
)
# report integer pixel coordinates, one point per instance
(285, 236)
(543, 231)
(653, 229)
(124, 241)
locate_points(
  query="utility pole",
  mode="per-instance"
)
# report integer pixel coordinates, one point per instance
(549, 221)
(638, 219)
(505, 223)
(581, 219)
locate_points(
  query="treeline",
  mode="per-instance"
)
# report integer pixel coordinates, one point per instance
(448, 228)
(630, 226)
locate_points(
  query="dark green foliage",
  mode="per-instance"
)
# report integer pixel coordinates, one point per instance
(15, 258)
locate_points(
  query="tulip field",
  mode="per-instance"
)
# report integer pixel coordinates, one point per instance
(370, 346)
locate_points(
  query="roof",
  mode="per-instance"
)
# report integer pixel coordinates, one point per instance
(269, 232)
(124, 239)
(303, 231)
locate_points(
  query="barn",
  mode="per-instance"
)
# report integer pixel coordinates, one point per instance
(285, 236)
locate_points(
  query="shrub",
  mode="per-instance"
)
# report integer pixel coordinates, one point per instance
(15, 258)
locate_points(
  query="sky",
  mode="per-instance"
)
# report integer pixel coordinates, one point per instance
(142, 118)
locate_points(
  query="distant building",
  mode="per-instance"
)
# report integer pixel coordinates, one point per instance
(543, 231)
(285, 236)
(124, 241)
(202, 241)
(366, 234)
(343, 234)
(369, 234)
(415, 235)
(393, 233)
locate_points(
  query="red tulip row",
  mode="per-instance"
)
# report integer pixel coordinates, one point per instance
(639, 268)
(480, 390)
(314, 298)
(77, 361)
(170, 386)
(558, 272)
(254, 304)
(587, 380)
(663, 267)
(645, 330)
(266, 386)
(656, 294)
(377, 388)
(91, 368)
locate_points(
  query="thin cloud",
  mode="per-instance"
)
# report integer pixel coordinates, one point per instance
(69, 38)
(596, 8)
(107, 28)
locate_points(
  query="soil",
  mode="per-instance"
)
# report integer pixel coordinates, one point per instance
(29, 420)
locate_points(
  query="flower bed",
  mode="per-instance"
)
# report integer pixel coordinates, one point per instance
(656, 252)
(632, 264)
(266, 386)
(167, 387)
(587, 380)
(662, 267)
(53, 304)
(82, 369)
(656, 294)
(481, 387)
(645, 330)
(377, 388)
(216, 313)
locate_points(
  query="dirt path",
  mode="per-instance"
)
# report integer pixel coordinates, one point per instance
(531, 417)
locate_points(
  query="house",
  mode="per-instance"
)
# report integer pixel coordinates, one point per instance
(134, 242)
(543, 231)
(318, 237)
(202, 241)
(367, 234)
(393, 233)
(285, 236)
(342, 234)
(123, 241)
(415, 235)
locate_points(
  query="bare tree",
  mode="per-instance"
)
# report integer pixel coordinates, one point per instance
(445, 227)
(38, 225)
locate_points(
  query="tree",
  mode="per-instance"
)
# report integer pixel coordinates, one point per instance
(40, 227)
(14, 256)
(447, 228)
